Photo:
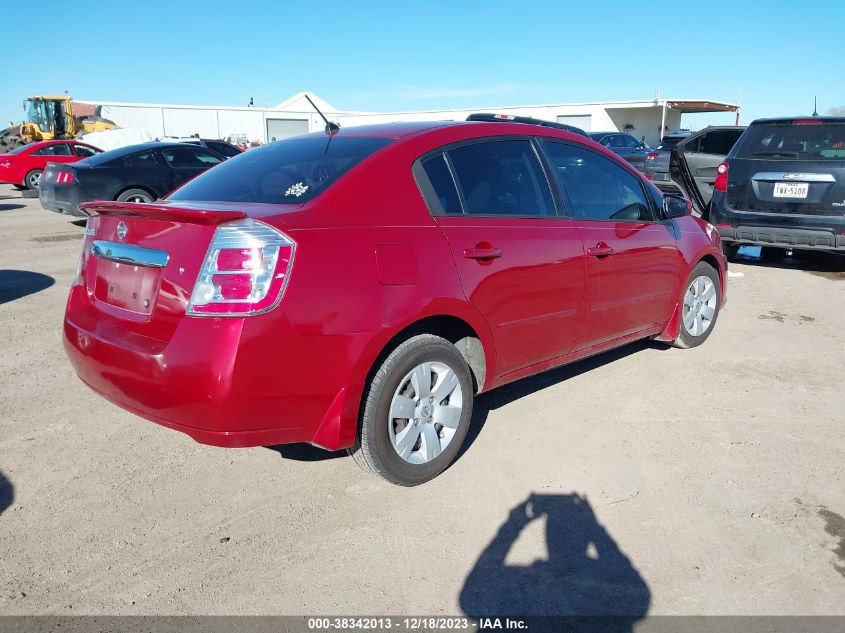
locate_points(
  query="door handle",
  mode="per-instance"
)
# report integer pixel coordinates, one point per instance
(482, 253)
(600, 250)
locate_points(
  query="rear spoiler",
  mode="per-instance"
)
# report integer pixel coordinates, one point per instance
(161, 212)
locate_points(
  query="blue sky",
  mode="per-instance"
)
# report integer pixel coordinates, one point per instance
(772, 58)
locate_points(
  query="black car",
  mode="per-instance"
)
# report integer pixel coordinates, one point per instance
(783, 186)
(625, 145)
(702, 152)
(137, 173)
(221, 147)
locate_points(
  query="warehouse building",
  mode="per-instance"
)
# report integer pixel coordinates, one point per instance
(647, 120)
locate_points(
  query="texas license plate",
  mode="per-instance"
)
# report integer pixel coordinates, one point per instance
(791, 189)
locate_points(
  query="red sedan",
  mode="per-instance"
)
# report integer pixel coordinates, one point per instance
(358, 290)
(24, 165)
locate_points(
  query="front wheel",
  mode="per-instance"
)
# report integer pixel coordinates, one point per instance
(416, 412)
(699, 306)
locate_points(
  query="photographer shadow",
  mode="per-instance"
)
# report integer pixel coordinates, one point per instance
(586, 578)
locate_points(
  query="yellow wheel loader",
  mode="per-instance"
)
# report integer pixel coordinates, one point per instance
(49, 118)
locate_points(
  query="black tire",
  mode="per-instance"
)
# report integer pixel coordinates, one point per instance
(30, 181)
(373, 450)
(771, 253)
(135, 195)
(687, 339)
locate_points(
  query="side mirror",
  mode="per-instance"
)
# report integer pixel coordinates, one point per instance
(676, 206)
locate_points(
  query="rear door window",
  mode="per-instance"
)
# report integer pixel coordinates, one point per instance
(56, 149)
(804, 139)
(716, 142)
(443, 196)
(596, 188)
(501, 177)
(289, 171)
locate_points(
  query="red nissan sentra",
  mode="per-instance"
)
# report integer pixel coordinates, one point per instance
(358, 290)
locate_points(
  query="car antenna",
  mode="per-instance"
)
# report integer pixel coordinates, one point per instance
(815, 106)
(331, 128)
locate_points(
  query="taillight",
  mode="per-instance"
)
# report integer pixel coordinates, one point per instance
(244, 272)
(721, 183)
(64, 178)
(807, 122)
(650, 156)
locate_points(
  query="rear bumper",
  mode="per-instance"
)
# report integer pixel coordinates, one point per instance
(65, 202)
(783, 236)
(223, 382)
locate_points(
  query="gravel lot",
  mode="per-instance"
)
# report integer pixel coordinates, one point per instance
(661, 481)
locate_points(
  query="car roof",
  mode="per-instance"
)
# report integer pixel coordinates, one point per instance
(790, 119)
(389, 130)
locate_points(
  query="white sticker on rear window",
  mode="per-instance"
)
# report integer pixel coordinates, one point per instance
(296, 190)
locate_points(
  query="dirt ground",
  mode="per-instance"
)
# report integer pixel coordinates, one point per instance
(647, 480)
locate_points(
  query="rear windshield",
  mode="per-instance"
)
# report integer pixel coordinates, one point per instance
(289, 171)
(785, 141)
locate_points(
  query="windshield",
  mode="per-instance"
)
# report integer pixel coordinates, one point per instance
(18, 150)
(803, 139)
(36, 112)
(288, 172)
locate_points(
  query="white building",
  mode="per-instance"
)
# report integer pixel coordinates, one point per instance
(645, 119)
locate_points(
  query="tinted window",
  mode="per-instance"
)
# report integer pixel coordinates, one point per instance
(782, 141)
(502, 178)
(223, 148)
(20, 149)
(141, 159)
(718, 142)
(441, 181)
(596, 188)
(58, 149)
(630, 141)
(189, 158)
(289, 171)
(82, 150)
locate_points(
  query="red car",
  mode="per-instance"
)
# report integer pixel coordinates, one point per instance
(358, 290)
(24, 165)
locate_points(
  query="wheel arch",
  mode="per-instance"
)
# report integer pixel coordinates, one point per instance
(460, 325)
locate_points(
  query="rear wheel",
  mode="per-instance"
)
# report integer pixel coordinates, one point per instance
(32, 179)
(135, 195)
(416, 412)
(699, 306)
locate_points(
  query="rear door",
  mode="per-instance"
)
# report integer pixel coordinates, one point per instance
(54, 153)
(631, 255)
(520, 264)
(696, 159)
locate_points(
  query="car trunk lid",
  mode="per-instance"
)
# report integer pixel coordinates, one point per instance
(787, 187)
(140, 262)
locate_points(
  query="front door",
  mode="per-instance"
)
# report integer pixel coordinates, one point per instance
(520, 264)
(631, 256)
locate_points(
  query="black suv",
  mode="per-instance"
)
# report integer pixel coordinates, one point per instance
(783, 185)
